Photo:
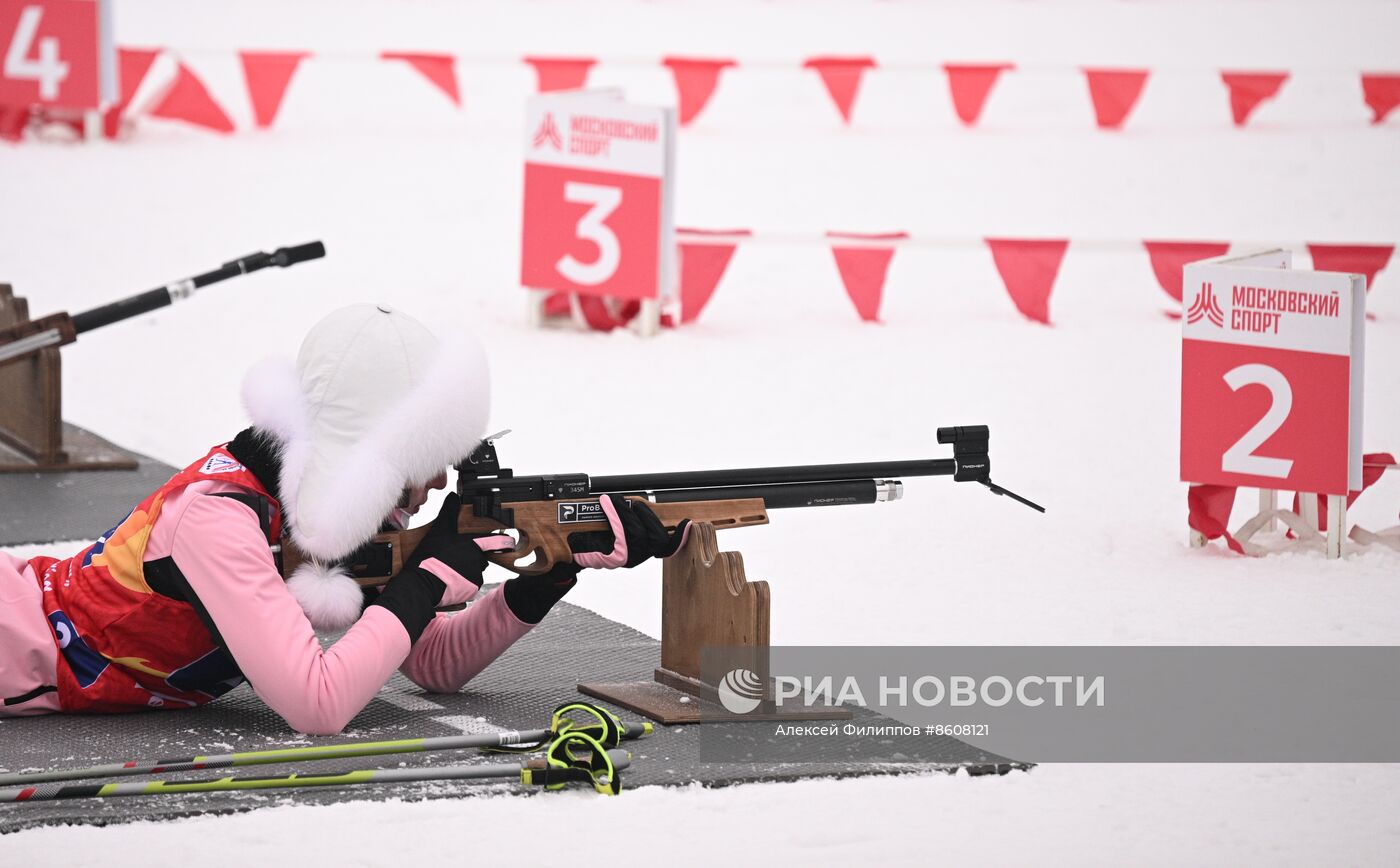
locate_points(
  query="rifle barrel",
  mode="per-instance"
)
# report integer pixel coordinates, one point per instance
(843, 492)
(769, 476)
(150, 300)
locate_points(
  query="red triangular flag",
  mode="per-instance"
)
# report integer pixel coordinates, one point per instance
(1208, 512)
(1364, 259)
(593, 308)
(1382, 91)
(188, 100)
(596, 314)
(1248, 89)
(1028, 268)
(132, 65)
(970, 84)
(1373, 466)
(841, 75)
(13, 120)
(702, 266)
(556, 304)
(560, 73)
(440, 69)
(696, 80)
(1169, 257)
(1114, 93)
(268, 73)
(863, 269)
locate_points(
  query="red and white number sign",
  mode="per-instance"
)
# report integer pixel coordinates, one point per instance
(597, 196)
(1271, 374)
(57, 53)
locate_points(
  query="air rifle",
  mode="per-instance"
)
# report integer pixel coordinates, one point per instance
(545, 510)
(57, 329)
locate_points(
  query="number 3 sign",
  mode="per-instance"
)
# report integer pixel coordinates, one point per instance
(1271, 375)
(598, 197)
(57, 53)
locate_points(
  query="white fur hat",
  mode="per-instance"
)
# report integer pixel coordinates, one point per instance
(373, 402)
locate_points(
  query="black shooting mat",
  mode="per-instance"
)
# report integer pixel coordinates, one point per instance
(43, 507)
(518, 691)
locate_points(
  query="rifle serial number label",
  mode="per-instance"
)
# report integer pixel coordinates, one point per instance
(576, 513)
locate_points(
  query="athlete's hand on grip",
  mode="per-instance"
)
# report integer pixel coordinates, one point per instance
(635, 534)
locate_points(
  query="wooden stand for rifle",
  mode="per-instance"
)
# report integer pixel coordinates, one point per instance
(33, 435)
(705, 601)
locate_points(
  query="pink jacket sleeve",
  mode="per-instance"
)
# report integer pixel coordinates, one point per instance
(454, 648)
(223, 555)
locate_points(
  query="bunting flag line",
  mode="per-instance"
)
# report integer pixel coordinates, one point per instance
(440, 69)
(863, 268)
(189, 100)
(702, 265)
(969, 85)
(1028, 268)
(1168, 258)
(1114, 92)
(1249, 89)
(1209, 506)
(1367, 259)
(1382, 93)
(696, 79)
(267, 74)
(842, 76)
(560, 73)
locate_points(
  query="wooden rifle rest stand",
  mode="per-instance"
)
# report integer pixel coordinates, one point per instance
(33, 435)
(705, 601)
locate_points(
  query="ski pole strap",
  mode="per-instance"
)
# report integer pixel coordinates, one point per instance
(577, 758)
(587, 719)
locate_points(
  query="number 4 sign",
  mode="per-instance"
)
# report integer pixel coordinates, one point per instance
(57, 53)
(598, 199)
(1271, 375)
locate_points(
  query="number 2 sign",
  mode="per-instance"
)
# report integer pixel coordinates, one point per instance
(597, 196)
(57, 53)
(1271, 375)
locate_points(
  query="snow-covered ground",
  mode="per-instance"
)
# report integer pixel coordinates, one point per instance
(419, 205)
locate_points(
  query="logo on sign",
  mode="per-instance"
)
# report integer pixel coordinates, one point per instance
(1206, 306)
(574, 513)
(548, 132)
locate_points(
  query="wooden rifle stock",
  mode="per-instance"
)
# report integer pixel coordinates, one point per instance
(540, 531)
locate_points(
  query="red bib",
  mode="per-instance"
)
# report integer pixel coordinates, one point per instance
(122, 646)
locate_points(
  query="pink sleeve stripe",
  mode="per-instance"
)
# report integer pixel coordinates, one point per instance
(459, 588)
(618, 556)
(496, 542)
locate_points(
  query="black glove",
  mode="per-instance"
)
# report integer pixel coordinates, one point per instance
(459, 551)
(414, 593)
(636, 534)
(530, 598)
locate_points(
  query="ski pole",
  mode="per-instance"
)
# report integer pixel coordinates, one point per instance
(600, 767)
(511, 740)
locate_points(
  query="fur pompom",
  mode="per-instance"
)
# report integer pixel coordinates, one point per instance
(329, 596)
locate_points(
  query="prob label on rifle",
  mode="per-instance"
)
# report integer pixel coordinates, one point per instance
(574, 513)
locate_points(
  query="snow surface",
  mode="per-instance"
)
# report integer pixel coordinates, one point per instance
(419, 206)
